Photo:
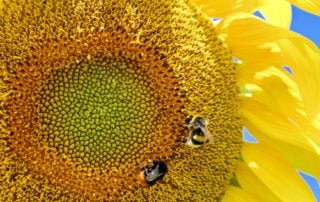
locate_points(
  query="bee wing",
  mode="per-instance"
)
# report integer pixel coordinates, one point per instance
(208, 135)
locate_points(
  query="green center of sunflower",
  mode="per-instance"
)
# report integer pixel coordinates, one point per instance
(98, 113)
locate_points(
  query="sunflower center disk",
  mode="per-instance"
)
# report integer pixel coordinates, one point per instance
(99, 113)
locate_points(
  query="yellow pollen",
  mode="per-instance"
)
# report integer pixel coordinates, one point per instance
(93, 91)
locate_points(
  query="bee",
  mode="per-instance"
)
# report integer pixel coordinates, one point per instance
(153, 172)
(199, 133)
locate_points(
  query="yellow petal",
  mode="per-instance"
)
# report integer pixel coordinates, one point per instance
(294, 143)
(261, 120)
(300, 158)
(279, 96)
(274, 88)
(277, 12)
(222, 8)
(316, 122)
(282, 47)
(275, 91)
(276, 173)
(277, 106)
(249, 182)
(235, 194)
(249, 38)
(312, 6)
(305, 62)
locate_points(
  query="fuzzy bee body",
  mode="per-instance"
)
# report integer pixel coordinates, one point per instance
(199, 134)
(150, 174)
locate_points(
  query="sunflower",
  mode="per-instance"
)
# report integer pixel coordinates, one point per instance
(122, 100)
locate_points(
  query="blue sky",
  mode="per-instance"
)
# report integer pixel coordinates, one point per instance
(306, 24)
(309, 26)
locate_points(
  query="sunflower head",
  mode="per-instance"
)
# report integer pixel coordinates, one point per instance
(92, 92)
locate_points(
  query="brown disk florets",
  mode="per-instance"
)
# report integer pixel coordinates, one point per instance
(91, 91)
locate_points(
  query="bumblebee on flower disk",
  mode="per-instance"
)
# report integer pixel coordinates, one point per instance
(199, 134)
(150, 174)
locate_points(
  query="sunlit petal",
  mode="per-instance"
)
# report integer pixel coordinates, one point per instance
(275, 125)
(251, 183)
(223, 8)
(299, 53)
(277, 12)
(276, 173)
(312, 6)
(235, 194)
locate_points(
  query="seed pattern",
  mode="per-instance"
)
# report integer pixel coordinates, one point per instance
(100, 115)
(57, 140)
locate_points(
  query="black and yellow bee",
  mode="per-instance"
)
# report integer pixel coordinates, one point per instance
(199, 133)
(153, 172)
